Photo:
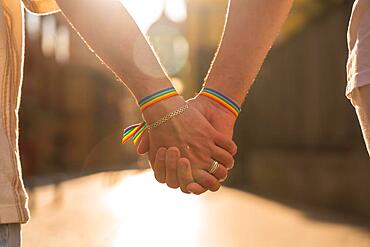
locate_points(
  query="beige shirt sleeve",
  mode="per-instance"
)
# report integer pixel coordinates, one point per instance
(41, 6)
(358, 65)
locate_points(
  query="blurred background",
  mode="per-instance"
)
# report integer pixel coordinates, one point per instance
(300, 143)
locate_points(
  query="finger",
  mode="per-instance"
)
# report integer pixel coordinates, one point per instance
(172, 156)
(221, 173)
(196, 189)
(206, 180)
(226, 143)
(223, 157)
(159, 166)
(232, 166)
(192, 187)
(143, 146)
(223, 179)
(184, 174)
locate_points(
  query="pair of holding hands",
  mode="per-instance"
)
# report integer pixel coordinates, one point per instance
(183, 149)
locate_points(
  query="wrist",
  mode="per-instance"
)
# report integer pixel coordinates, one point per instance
(221, 100)
(234, 89)
(160, 109)
(142, 87)
(157, 97)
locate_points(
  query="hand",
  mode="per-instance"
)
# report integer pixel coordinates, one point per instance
(220, 118)
(166, 160)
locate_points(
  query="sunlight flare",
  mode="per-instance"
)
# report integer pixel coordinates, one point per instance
(146, 12)
(146, 210)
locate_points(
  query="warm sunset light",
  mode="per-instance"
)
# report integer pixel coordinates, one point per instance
(146, 12)
(143, 210)
(251, 100)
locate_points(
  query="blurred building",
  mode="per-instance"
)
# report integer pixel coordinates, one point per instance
(205, 24)
(172, 47)
(73, 110)
(298, 136)
(187, 48)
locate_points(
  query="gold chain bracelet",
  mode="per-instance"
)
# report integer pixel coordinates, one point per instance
(168, 117)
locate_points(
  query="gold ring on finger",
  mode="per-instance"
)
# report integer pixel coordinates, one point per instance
(214, 166)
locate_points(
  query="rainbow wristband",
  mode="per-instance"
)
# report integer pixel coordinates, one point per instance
(222, 100)
(134, 131)
(156, 97)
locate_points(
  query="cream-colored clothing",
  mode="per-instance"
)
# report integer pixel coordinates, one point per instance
(13, 197)
(360, 98)
(358, 66)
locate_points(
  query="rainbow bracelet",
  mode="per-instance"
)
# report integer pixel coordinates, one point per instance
(134, 131)
(222, 100)
(156, 97)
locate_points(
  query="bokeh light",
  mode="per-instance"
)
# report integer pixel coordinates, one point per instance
(49, 30)
(146, 12)
(62, 40)
(176, 10)
(33, 26)
(170, 45)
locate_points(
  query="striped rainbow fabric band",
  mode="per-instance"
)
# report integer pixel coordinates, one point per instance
(156, 97)
(221, 99)
(134, 132)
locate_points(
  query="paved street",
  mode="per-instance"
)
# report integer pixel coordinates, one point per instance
(130, 209)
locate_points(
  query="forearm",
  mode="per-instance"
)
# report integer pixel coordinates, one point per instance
(113, 35)
(250, 30)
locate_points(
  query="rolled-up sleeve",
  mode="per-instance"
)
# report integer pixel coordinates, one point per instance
(41, 6)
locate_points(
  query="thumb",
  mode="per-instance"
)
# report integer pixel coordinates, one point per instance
(143, 146)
